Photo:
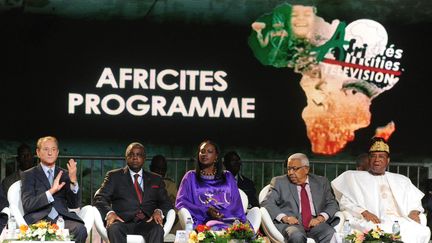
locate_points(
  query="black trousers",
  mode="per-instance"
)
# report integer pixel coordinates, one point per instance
(152, 232)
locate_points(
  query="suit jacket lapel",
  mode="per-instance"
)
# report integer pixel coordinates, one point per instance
(147, 182)
(293, 189)
(314, 188)
(42, 177)
(129, 181)
(56, 171)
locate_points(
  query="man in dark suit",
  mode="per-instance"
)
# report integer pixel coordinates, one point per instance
(3, 203)
(159, 166)
(301, 204)
(47, 191)
(133, 201)
(233, 163)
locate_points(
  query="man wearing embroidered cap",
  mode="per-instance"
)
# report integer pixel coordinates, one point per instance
(378, 197)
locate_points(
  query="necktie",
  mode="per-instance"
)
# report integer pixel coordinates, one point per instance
(139, 215)
(53, 213)
(50, 176)
(137, 188)
(305, 207)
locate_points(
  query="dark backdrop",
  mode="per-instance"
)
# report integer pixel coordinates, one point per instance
(45, 57)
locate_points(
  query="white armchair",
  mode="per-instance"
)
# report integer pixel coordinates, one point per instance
(16, 208)
(253, 215)
(15, 204)
(6, 211)
(100, 227)
(270, 229)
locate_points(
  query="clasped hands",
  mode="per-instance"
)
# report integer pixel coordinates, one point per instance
(214, 213)
(293, 220)
(414, 215)
(156, 216)
(72, 169)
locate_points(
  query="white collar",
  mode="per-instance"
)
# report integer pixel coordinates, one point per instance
(132, 173)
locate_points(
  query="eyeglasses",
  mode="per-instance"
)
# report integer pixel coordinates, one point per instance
(295, 169)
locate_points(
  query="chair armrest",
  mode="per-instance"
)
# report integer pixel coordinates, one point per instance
(338, 227)
(347, 215)
(6, 211)
(86, 213)
(254, 218)
(263, 193)
(15, 204)
(269, 227)
(244, 199)
(99, 224)
(183, 215)
(17, 213)
(169, 222)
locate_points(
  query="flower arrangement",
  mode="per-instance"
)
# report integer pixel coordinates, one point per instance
(238, 231)
(42, 230)
(374, 235)
(204, 234)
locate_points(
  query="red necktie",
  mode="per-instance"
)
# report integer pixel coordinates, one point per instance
(305, 207)
(137, 188)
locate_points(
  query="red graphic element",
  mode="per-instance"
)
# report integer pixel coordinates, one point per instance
(353, 65)
(386, 131)
(329, 135)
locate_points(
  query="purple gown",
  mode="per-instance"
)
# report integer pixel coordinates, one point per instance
(197, 197)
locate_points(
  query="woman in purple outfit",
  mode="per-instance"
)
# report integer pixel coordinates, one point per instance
(210, 193)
